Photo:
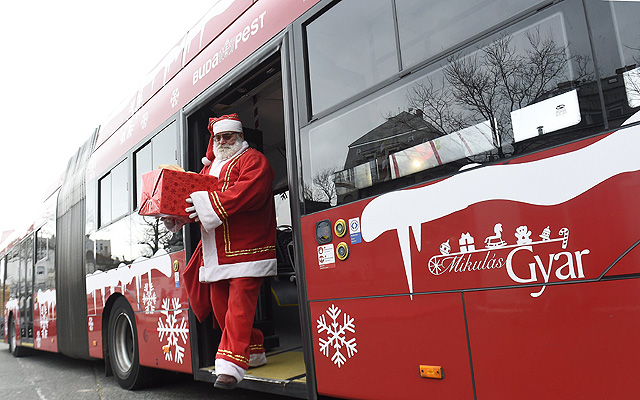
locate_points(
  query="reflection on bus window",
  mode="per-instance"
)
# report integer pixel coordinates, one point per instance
(617, 49)
(526, 88)
(13, 274)
(45, 255)
(149, 235)
(128, 239)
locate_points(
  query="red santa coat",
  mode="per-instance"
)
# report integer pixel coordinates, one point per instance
(238, 227)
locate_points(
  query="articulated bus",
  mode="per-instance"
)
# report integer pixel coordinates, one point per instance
(456, 187)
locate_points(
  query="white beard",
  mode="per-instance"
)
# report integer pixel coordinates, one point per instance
(226, 151)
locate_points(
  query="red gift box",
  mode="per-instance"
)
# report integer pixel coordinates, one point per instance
(164, 192)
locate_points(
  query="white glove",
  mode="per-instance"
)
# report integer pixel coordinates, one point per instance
(193, 214)
(202, 210)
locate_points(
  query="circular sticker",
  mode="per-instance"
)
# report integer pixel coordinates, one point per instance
(176, 265)
(340, 228)
(342, 251)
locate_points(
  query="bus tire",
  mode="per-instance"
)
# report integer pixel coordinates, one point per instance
(14, 349)
(123, 348)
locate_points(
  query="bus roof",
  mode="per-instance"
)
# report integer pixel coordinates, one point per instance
(210, 26)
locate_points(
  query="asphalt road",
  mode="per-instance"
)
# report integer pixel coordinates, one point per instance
(48, 376)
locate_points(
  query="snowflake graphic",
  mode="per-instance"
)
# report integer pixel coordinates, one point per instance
(172, 330)
(44, 321)
(226, 50)
(149, 298)
(174, 97)
(139, 98)
(336, 335)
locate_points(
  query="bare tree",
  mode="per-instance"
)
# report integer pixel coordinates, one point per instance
(324, 184)
(494, 81)
(155, 236)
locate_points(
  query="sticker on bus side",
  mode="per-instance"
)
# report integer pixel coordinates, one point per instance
(354, 230)
(326, 258)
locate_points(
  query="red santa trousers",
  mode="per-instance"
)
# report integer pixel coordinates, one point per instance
(234, 306)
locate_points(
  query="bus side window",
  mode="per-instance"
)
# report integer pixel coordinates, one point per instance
(459, 109)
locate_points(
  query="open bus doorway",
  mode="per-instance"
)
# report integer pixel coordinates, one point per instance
(257, 97)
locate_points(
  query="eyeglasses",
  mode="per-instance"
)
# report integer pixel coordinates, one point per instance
(225, 136)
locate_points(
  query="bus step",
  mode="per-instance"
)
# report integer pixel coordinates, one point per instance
(283, 374)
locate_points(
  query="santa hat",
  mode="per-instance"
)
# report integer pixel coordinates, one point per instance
(225, 123)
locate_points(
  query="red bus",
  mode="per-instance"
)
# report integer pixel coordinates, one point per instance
(456, 188)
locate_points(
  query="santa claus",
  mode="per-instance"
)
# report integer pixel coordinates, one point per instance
(237, 249)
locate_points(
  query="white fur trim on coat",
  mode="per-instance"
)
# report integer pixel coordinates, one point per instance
(228, 368)
(257, 269)
(208, 218)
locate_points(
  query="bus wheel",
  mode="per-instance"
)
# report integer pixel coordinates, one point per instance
(14, 349)
(123, 348)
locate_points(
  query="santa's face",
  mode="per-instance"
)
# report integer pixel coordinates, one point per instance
(226, 144)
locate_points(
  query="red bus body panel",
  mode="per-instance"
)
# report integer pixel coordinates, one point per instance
(572, 344)
(393, 337)
(154, 288)
(536, 276)
(44, 321)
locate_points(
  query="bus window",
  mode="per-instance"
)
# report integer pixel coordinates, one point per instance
(427, 31)
(351, 47)
(105, 200)
(114, 194)
(527, 87)
(12, 281)
(617, 50)
(45, 256)
(26, 302)
(4, 295)
(161, 149)
(150, 234)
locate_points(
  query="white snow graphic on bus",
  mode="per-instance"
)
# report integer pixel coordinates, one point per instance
(169, 328)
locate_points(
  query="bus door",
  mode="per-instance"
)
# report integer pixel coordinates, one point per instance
(255, 93)
(26, 289)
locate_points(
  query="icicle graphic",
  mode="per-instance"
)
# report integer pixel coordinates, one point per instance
(405, 248)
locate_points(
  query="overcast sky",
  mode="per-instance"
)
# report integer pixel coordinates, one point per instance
(65, 66)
